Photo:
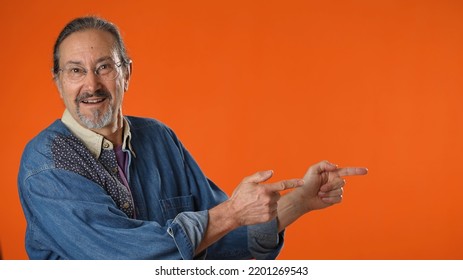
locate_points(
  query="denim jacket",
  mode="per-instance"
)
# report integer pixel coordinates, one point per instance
(74, 212)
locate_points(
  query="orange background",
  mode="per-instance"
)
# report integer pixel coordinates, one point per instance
(254, 85)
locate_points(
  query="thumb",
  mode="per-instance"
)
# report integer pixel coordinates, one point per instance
(321, 167)
(259, 177)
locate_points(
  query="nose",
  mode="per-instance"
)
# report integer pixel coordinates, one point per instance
(91, 82)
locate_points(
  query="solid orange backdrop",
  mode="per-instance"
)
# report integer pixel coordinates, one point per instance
(255, 85)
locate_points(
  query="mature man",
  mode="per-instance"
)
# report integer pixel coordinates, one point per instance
(100, 185)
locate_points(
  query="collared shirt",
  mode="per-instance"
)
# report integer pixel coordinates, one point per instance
(76, 209)
(94, 141)
(97, 145)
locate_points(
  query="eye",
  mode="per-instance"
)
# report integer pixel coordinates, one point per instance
(105, 68)
(76, 71)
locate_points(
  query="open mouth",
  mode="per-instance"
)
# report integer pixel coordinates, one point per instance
(93, 101)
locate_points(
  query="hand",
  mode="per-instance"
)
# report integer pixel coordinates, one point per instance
(324, 184)
(253, 202)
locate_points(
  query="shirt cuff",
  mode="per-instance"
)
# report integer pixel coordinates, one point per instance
(264, 241)
(187, 230)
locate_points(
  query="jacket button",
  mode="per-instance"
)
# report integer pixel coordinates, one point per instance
(126, 205)
(105, 145)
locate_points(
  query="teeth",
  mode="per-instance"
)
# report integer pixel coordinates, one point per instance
(92, 101)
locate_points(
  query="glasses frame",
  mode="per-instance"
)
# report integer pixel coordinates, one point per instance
(95, 71)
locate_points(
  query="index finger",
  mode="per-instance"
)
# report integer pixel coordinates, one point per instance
(351, 171)
(284, 185)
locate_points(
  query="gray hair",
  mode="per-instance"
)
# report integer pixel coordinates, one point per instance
(85, 23)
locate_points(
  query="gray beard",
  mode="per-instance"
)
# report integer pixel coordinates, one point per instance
(98, 121)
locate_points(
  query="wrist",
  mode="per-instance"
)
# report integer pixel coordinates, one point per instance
(225, 215)
(300, 201)
(221, 221)
(290, 208)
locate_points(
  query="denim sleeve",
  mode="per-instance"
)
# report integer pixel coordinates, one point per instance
(264, 241)
(188, 229)
(70, 217)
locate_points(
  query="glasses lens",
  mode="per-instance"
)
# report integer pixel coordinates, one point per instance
(107, 71)
(74, 73)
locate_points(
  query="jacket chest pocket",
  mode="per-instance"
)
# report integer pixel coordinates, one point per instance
(171, 207)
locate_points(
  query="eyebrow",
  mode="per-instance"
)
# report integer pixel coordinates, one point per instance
(101, 59)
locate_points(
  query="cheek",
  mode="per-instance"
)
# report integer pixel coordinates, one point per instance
(59, 87)
(67, 93)
(118, 90)
(68, 102)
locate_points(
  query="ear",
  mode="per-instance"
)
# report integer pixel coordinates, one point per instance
(57, 82)
(128, 74)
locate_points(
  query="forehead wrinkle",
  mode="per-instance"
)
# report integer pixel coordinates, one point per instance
(82, 46)
(99, 60)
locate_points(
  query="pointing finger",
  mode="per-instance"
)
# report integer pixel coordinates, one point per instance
(258, 177)
(284, 185)
(351, 171)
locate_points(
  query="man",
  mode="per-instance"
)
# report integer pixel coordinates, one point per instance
(100, 185)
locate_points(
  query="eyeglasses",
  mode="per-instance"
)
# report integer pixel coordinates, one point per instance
(107, 71)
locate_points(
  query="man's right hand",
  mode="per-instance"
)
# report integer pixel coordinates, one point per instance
(254, 202)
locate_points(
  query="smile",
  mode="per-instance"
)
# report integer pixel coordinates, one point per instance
(93, 101)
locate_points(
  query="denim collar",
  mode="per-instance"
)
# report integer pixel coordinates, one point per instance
(94, 141)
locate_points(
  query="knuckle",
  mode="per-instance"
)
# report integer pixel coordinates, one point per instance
(284, 185)
(247, 179)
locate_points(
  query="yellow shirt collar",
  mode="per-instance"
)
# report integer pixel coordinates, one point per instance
(94, 141)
